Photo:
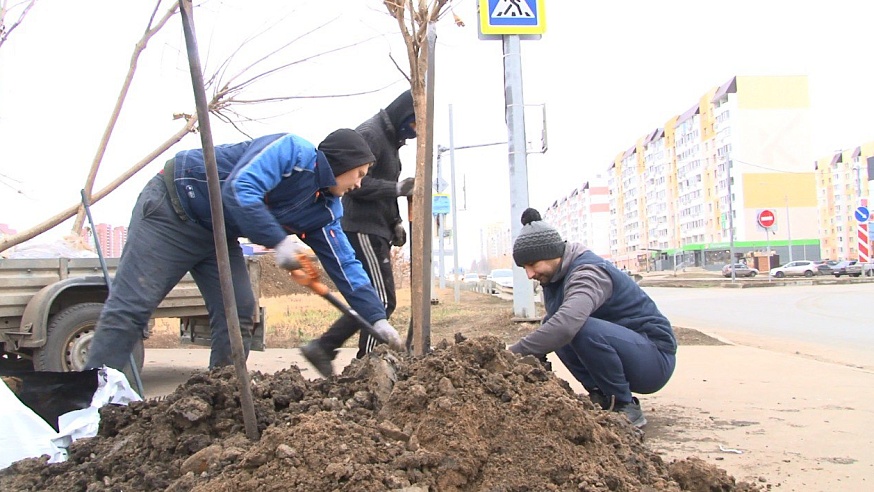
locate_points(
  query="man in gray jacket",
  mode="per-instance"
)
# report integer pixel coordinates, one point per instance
(601, 325)
(372, 222)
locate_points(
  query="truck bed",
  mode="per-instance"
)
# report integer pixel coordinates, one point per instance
(21, 279)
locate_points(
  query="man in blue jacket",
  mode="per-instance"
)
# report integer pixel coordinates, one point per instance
(273, 188)
(601, 325)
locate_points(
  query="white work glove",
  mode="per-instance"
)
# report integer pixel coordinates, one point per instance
(399, 235)
(405, 187)
(382, 329)
(287, 252)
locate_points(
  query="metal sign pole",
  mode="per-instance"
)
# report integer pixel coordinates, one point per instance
(523, 295)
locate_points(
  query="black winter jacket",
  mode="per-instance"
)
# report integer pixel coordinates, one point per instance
(373, 208)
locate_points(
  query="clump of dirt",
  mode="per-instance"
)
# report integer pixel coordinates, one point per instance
(468, 416)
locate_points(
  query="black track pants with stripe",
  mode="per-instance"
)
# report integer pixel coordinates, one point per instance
(374, 253)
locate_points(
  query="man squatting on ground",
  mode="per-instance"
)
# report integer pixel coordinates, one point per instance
(273, 187)
(372, 221)
(603, 327)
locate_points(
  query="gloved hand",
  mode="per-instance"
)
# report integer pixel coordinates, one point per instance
(405, 187)
(543, 361)
(382, 329)
(287, 252)
(399, 235)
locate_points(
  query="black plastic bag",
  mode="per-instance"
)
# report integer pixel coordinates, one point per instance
(52, 394)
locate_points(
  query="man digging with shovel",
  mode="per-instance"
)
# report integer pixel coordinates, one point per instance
(273, 187)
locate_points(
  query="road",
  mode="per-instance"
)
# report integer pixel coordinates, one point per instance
(826, 322)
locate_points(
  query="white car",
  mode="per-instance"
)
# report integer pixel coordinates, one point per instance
(502, 277)
(805, 268)
(470, 278)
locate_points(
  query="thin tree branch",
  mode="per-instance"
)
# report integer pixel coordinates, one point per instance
(16, 239)
(119, 102)
(4, 32)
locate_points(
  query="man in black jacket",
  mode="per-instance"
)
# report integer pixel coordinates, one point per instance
(372, 222)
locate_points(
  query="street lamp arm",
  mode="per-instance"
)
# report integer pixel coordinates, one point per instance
(441, 149)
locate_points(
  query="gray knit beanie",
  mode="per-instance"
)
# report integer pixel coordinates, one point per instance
(537, 240)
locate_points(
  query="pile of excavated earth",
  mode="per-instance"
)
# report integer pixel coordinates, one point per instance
(468, 416)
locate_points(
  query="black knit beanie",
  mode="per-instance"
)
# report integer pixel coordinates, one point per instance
(345, 150)
(537, 240)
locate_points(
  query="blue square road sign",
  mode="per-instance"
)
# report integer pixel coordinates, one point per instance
(512, 16)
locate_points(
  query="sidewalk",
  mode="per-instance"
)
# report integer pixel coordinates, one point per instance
(800, 424)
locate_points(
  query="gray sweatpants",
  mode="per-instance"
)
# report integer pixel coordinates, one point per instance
(160, 249)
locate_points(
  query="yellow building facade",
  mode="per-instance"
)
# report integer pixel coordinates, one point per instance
(742, 148)
(843, 185)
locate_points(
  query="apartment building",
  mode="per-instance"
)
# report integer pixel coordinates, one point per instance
(119, 237)
(843, 184)
(583, 216)
(497, 245)
(742, 148)
(111, 238)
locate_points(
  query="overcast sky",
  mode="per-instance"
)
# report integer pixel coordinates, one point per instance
(608, 73)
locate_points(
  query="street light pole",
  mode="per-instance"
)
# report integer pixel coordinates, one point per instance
(454, 201)
(440, 151)
(768, 246)
(788, 230)
(730, 220)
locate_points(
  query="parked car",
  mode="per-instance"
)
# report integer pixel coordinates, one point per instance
(848, 267)
(798, 268)
(740, 270)
(502, 277)
(470, 278)
(824, 266)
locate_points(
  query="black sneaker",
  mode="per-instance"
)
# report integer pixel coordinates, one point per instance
(318, 357)
(632, 411)
(599, 399)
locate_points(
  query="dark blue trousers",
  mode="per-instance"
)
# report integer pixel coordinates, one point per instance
(616, 360)
(160, 249)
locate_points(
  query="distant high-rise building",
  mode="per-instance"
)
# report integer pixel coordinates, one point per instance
(843, 185)
(497, 245)
(104, 235)
(584, 216)
(689, 191)
(111, 239)
(119, 237)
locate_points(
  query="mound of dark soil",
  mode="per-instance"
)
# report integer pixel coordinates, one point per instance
(469, 416)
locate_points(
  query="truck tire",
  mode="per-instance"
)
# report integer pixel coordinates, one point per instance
(69, 337)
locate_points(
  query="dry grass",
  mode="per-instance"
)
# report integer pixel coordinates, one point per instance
(297, 318)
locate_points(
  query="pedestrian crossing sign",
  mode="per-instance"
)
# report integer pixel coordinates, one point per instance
(512, 16)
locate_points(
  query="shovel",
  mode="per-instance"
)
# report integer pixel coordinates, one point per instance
(308, 276)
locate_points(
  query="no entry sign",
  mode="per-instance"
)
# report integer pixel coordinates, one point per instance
(766, 218)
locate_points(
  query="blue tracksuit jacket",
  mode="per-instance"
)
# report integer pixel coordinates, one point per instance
(273, 186)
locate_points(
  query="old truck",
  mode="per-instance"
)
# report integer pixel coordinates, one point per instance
(49, 309)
